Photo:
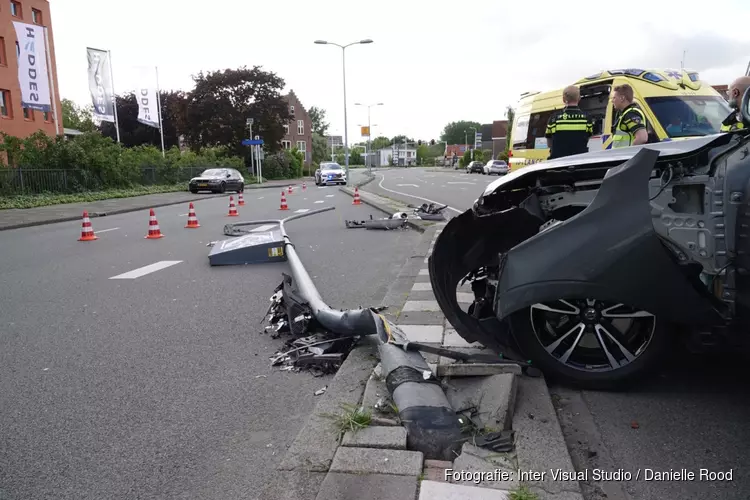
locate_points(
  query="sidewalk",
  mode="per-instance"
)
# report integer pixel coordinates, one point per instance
(18, 218)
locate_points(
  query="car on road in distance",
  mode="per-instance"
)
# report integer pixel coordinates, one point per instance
(475, 166)
(330, 173)
(218, 180)
(495, 167)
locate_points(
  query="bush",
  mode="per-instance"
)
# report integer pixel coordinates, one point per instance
(465, 159)
(92, 162)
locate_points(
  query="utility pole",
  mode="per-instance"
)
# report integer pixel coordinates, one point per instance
(249, 123)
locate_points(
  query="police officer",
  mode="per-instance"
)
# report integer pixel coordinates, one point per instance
(629, 127)
(736, 91)
(568, 131)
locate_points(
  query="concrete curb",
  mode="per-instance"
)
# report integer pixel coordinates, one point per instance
(130, 209)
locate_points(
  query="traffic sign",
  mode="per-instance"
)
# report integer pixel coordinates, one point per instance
(251, 142)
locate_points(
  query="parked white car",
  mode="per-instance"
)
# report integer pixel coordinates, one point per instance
(495, 167)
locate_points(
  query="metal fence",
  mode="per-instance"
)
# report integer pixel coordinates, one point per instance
(15, 181)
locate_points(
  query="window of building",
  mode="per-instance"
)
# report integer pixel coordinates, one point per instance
(286, 144)
(291, 109)
(36, 16)
(5, 110)
(47, 117)
(15, 9)
(286, 129)
(302, 146)
(28, 114)
(300, 127)
(3, 56)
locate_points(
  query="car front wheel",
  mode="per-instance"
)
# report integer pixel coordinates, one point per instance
(590, 343)
(241, 188)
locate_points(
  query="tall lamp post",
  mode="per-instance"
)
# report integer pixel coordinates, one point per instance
(369, 132)
(346, 131)
(475, 142)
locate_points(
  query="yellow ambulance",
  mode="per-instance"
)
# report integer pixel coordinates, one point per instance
(678, 105)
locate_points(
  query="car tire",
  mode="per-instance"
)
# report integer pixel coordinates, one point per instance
(241, 189)
(223, 188)
(618, 378)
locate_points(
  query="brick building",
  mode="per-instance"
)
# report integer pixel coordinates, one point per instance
(299, 129)
(14, 119)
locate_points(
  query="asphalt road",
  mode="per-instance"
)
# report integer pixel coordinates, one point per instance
(160, 386)
(693, 414)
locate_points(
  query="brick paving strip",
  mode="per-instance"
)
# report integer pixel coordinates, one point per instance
(374, 464)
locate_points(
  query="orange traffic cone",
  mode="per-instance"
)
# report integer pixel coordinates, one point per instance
(232, 209)
(356, 200)
(240, 200)
(154, 233)
(290, 190)
(304, 186)
(283, 202)
(192, 219)
(87, 232)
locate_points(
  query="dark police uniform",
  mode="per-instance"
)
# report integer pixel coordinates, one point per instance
(627, 123)
(731, 123)
(569, 131)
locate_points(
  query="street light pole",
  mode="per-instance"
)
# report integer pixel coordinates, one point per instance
(475, 142)
(346, 127)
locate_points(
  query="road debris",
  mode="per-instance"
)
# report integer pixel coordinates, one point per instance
(321, 391)
(394, 222)
(430, 211)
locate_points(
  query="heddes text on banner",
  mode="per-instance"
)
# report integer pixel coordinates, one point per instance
(33, 76)
(145, 94)
(100, 85)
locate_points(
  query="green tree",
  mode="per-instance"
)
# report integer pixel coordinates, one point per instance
(380, 143)
(318, 119)
(465, 159)
(510, 114)
(355, 158)
(399, 139)
(134, 133)
(217, 109)
(423, 152)
(458, 132)
(320, 150)
(77, 117)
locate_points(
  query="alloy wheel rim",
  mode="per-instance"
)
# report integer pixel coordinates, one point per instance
(591, 335)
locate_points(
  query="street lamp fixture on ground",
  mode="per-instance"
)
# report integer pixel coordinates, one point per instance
(369, 131)
(343, 60)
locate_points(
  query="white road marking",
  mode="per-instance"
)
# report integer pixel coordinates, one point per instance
(320, 201)
(143, 271)
(301, 210)
(106, 230)
(261, 197)
(265, 227)
(414, 196)
(462, 182)
(404, 185)
(183, 215)
(329, 196)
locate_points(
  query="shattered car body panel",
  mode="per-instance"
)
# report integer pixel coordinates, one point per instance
(661, 227)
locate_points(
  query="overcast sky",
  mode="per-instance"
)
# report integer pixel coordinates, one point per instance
(432, 62)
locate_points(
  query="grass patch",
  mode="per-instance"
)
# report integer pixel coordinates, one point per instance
(523, 493)
(45, 199)
(351, 418)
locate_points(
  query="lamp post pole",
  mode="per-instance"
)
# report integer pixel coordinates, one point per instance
(346, 128)
(475, 142)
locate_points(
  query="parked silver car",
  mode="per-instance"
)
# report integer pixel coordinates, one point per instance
(495, 167)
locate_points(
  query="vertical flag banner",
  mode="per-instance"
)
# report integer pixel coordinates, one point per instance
(32, 67)
(145, 94)
(100, 85)
(478, 140)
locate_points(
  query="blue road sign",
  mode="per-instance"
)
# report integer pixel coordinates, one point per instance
(251, 142)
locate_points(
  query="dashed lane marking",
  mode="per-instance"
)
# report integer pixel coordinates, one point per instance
(265, 227)
(329, 196)
(183, 215)
(143, 271)
(106, 230)
(320, 201)
(261, 197)
(301, 210)
(413, 196)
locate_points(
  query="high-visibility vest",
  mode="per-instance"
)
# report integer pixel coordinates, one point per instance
(732, 123)
(623, 138)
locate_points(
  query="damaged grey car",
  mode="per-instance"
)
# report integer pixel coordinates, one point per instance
(591, 266)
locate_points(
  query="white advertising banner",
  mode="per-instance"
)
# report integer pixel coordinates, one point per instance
(145, 94)
(100, 85)
(33, 76)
